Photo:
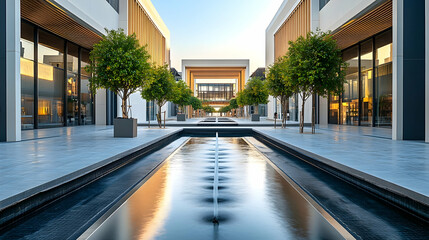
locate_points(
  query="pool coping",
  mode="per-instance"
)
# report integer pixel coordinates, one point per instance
(406, 199)
(22, 203)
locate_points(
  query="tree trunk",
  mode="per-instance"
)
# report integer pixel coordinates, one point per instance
(301, 121)
(124, 107)
(256, 109)
(158, 116)
(285, 103)
(313, 114)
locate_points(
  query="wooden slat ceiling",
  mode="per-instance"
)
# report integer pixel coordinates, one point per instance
(58, 21)
(364, 27)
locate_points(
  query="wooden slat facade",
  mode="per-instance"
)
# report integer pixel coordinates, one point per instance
(366, 26)
(297, 24)
(147, 33)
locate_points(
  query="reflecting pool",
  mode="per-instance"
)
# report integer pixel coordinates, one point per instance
(255, 201)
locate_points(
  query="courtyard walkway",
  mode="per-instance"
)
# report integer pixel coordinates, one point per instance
(369, 150)
(49, 154)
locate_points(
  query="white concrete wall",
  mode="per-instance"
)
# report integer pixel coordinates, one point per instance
(96, 13)
(323, 111)
(282, 14)
(138, 107)
(337, 12)
(427, 70)
(13, 68)
(100, 107)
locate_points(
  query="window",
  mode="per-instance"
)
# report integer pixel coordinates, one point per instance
(58, 78)
(27, 76)
(367, 96)
(114, 4)
(322, 3)
(383, 79)
(350, 97)
(366, 62)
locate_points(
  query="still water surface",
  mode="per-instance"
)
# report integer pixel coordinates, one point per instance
(255, 202)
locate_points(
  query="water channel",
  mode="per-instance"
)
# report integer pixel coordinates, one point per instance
(216, 188)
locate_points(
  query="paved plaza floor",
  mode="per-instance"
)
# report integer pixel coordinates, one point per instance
(47, 154)
(369, 150)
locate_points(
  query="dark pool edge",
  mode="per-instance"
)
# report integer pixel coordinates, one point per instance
(87, 229)
(403, 198)
(25, 202)
(342, 229)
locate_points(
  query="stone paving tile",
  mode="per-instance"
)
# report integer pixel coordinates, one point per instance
(405, 163)
(37, 160)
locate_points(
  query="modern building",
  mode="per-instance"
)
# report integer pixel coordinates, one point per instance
(385, 43)
(215, 81)
(44, 48)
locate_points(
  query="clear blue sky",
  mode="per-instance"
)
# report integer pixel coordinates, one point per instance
(232, 29)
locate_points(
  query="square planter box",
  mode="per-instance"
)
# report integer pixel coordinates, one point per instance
(181, 117)
(255, 117)
(125, 128)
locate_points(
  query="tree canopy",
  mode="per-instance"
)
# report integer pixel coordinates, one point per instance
(182, 95)
(160, 89)
(315, 67)
(120, 65)
(255, 93)
(195, 103)
(279, 84)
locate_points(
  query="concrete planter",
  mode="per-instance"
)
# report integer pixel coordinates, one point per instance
(181, 117)
(256, 117)
(125, 128)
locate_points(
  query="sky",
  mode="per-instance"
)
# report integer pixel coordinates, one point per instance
(217, 29)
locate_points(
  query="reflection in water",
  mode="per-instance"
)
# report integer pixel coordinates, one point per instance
(255, 202)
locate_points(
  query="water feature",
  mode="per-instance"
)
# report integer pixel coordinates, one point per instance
(216, 178)
(216, 183)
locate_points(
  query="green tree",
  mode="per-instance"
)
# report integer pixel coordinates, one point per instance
(233, 105)
(315, 67)
(182, 95)
(241, 101)
(120, 65)
(279, 85)
(255, 93)
(195, 103)
(160, 89)
(208, 109)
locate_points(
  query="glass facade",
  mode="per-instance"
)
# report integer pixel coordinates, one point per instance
(367, 96)
(383, 80)
(293, 108)
(54, 86)
(322, 3)
(215, 92)
(27, 76)
(151, 110)
(350, 96)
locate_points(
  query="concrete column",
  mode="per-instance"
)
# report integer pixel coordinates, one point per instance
(408, 70)
(323, 111)
(100, 107)
(427, 70)
(10, 79)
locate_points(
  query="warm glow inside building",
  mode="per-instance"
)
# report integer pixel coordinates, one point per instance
(385, 43)
(45, 46)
